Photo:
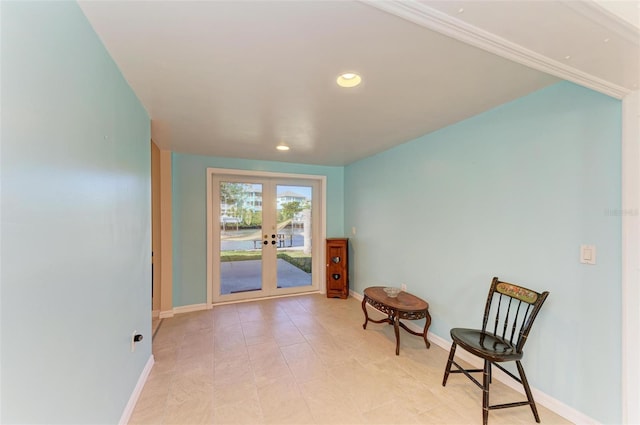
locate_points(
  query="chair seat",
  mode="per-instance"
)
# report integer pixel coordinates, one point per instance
(485, 345)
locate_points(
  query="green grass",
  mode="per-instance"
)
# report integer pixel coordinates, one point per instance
(239, 255)
(296, 258)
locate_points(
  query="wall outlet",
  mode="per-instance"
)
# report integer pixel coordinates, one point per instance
(403, 287)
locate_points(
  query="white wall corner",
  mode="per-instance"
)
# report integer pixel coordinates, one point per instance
(619, 17)
(166, 314)
(135, 395)
(192, 307)
(630, 213)
(355, 295)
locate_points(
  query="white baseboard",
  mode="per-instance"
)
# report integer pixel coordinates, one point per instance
(540, 397)
(166, 314)
(191, 307)
(135, 395)
(204, 306)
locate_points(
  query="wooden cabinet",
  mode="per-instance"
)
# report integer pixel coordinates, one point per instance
(337, 268)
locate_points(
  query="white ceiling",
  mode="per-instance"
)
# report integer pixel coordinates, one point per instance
(236, 78)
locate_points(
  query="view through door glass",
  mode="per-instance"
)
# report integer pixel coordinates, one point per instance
(240, 237)
(294, 235)
(255, 246)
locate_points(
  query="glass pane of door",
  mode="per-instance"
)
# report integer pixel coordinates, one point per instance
(262, 236)
(293, 205)
(240, 237)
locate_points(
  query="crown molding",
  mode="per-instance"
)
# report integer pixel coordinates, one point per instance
(435, 20)
(605, 18)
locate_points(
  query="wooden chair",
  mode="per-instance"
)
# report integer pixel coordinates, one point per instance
(515, 308)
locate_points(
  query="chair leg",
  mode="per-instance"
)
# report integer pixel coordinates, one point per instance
(486, 378)
(490, 374)
(452, 352)
(527, 390)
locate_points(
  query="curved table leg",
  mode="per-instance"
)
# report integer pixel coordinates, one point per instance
(396, 321)
(364, 308)
(393, 318)
(426, 328)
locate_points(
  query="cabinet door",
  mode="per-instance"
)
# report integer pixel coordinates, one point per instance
(337, 269)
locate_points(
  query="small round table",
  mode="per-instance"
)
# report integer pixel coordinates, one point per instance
(404, 306)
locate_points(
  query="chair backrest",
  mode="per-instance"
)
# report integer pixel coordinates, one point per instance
(514, 310)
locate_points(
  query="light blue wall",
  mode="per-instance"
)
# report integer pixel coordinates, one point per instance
(75, 243)
(189, 215)
(511, 193)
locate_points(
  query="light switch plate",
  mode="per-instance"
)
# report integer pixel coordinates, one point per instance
(588, 254)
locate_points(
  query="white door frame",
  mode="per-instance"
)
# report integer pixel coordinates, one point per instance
(318, 252)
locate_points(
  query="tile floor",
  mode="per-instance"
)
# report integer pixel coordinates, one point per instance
(306, 360)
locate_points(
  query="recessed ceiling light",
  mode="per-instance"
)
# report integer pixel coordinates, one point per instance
(461, 10)
(349, 79)
(282, 147)
(568, 57)
(606, 40)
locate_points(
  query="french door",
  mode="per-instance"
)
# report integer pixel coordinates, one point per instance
(264, 230)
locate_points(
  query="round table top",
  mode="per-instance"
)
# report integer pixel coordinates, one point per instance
(404, 301)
